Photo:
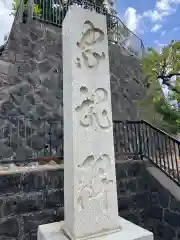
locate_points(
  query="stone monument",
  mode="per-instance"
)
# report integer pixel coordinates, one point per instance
(91, 209)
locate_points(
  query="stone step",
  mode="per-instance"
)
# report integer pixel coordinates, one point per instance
(131, 168)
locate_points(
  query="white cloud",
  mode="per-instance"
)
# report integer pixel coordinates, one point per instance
(5, 18)
(176, 29)
(163, 5)
(154, 15)
(139, 22)
(156, 27)
(163, 33)
(131, 18)
(162, 9)
(159, 45)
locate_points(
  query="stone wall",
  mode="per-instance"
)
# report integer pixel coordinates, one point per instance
(32, 198)
(164, 208)
(133, 194)
(27, 200)
(31, 86)
(145, 202)
(126, 83)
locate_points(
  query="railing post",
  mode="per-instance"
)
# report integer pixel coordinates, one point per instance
(30, 9)
(140, 140)
(142, 49)
(20, 11)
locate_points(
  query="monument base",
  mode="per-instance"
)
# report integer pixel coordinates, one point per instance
(129, 231)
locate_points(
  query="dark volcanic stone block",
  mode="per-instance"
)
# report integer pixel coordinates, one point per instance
(142, 183)
(44, 66)
(174, 204)
(164, 231)
(10, 183)
(140, 200)
(54, 198)
(33, 181)
(22, 203)
(172, 218)
(127, 186)
(54, 179)
(156, 212)
(154, 198)
(124, 203)
(134, 169)
(121, 170)
(132, 216)
(33, 220)
(9, 227)
(164, 198)
(131, 185)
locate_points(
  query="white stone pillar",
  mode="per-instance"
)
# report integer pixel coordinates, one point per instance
(90, 195)
(90, 183)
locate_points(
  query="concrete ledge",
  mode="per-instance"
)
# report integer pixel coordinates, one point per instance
(166, 182)
(31, 169)
(130, 231)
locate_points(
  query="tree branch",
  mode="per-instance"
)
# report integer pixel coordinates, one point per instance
(169, 75)
(170, 86)
(166, 81)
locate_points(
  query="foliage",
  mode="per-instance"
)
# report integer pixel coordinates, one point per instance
(16, 3)
(165, 67)
(37, 10)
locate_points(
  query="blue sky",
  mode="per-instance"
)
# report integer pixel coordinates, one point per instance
(5, 18)
(156, 22)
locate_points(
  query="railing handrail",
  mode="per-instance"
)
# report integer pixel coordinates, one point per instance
(161, 131)
(150, 125)
(140, 140)
(128, 28)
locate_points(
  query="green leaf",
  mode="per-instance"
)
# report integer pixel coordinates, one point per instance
(164, 66)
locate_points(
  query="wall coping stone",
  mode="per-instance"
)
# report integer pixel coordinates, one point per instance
(166, 182)
(31, 169)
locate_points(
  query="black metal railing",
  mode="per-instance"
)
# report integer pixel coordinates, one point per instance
(117, 31)
(55, 13)
(127, 139)
(23, 140)
(141, 140)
